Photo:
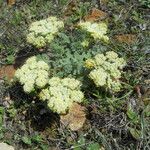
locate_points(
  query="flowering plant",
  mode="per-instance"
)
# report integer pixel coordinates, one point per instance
(33, 74)
(106, 70)
(97, 30)
(61, 93)
(43, 31)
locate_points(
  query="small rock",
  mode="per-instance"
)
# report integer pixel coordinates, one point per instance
(4, 146)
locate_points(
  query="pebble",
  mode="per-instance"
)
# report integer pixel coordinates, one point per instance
(4, 146)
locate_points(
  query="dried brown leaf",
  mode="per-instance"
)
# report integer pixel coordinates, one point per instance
(71, 7)
(11, 2)
(126, 38)
(95, 15)
(138, 90)
(104, 2)
(75, 117)
(146, 97)
(7, 71)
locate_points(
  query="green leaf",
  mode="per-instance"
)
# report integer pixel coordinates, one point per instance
(80, 143)
(93, 146)
(1, 110)
(133, 116)
(26, 140)
(44, 147)
(37, 139)
(10, 59)
(12, 112)
(1, 2)
(64, 37)
(1, 115)
(77, 148)
(135, 133)
(147, 111)
(43, 57)
(1, 135)
(81, 140)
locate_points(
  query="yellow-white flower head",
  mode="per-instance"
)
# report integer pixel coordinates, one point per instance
(111, 55)
(71, 83)
(85, 43)
(33, 74)
(77, 96)
(97, 30)
(55, 81)
(99, 76)
(100, 59)
(89, 63)
(106, 70)
(61, 93)
(43, 31)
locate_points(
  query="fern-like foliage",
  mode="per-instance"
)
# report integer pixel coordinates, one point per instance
(69, 54)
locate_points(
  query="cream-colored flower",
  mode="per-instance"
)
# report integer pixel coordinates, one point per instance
(42, 65)
(116, 86)
(85, 43)
(28, 87)
(42, 73)
(89, 63)
(111, 55)
(99, 76)
(115, 72)
(71, 83)
(99, 59)
(41, 82)
(33, 74)
(106, 70)
(43, 31)
(77, 96)
(55, 81)
(44, 94)
(120, 62)
(97, 30)
(61, 93)
(31, 60)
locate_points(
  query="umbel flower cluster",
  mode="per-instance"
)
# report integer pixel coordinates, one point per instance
(33, 74)
(43, 31)
(97, 30)
(61, 93)
(106, 70)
